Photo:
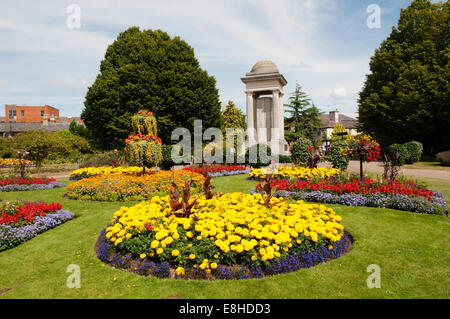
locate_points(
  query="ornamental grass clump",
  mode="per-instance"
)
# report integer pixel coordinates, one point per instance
(230, 236)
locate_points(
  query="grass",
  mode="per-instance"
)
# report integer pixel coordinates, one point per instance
(428, 165)
(411, 250)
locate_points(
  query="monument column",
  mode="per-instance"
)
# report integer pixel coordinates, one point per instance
(281, 112)
(276, 120)
(250, 118)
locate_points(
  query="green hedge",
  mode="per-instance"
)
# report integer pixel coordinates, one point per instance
(444, 158)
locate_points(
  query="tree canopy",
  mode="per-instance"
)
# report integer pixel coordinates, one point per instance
(406, 95)
(148, 70)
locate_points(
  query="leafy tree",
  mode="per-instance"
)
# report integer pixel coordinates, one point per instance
(149, 69)
(310, 124)
(406, 95)
(39, 144)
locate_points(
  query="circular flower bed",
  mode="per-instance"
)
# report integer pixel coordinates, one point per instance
(28, 184)
(294, 172)
(227, 237)
(125, 187)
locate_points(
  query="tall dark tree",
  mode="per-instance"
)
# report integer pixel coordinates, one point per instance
(406, 95)
(298, 102)
(304, 117)
(149, 70)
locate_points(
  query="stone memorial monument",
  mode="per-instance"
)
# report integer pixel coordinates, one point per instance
(265, 115)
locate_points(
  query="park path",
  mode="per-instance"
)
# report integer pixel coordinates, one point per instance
(372, 167)
(377, 168)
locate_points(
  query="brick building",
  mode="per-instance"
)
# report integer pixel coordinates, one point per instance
(20, 118)
(30, 114)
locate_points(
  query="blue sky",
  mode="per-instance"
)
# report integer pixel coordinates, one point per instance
(325, 45)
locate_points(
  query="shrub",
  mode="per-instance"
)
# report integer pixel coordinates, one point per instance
(444, 158)
(397, 154)
(166, 162)
(414, 150)
(299, 152)
(98, 159)
(335, 155)
(256, 151)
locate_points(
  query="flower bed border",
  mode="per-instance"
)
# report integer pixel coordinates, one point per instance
(30, 187)
(144, 267)
(394, 201)
(41, 224)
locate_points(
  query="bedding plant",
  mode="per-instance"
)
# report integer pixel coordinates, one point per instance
(129, 187)
(407, 195)
(294, 172)
(21, 221)
(26, 184)
(219, 170)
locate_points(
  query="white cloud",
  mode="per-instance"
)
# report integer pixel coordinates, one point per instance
(70, 83)
(340, 93)
(3, 84)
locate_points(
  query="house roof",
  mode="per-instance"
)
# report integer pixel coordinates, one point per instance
(16, 127)
(347, 121)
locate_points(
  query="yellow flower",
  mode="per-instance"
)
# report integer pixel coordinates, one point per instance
(154, 244)
(175, 253)
(191, 256)
(159, 251)
(180, 271)
(142, 256)
(213, 265)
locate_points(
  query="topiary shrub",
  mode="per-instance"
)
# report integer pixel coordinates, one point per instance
(166, 162)
(334, 155)
(397, 154)
(444, 158)
(258, 155)
(414, 151)
(299, 151)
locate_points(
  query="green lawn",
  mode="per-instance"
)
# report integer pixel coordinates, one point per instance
(411, 249)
